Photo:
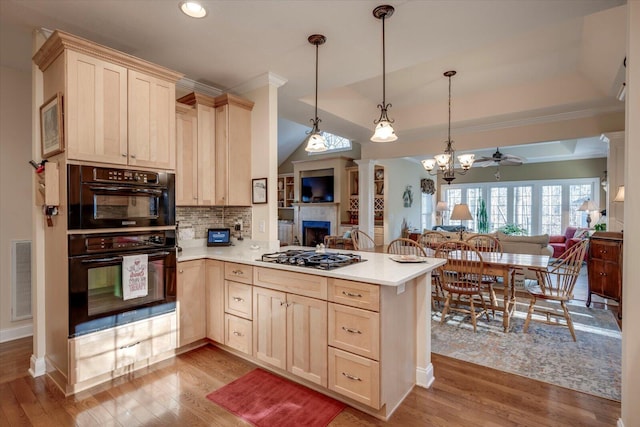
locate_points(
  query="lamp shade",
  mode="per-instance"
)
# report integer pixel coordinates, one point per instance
(620, 194)
(442, 206)
(588, 205)
(461, 212)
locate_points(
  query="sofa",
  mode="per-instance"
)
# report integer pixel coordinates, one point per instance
(571, 236)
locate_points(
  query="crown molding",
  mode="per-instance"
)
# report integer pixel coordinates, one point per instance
(262, 80)
(189, 85)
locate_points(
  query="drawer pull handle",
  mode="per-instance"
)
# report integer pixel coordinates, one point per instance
(349, 294)
(351, 377)
(351, 331)
(130, 345)
(238, 334)
(238, 299)
(603, 251)
(603, 274)
(237, 272)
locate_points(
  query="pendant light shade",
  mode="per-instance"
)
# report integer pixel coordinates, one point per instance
(384, 130)
(315, 141)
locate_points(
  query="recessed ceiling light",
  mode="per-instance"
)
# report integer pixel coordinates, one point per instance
(193, 9)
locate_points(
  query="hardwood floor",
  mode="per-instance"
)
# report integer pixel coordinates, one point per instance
(174, 392)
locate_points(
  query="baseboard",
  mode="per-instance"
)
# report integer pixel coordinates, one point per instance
(619, 423)
(38, 366)
(16, 333)
(424, 376)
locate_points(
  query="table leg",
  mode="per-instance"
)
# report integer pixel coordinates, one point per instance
(506, 316)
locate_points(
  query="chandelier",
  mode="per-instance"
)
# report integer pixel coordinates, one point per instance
(316, 143)
(384, 130)
(445, 161)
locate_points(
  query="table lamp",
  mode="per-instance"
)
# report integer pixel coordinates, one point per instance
(620, 194)
(588, 206)
(441, 207)
(461, 212)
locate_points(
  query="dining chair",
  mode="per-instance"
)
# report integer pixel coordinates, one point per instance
(487, 243)
(556, 283)
(458, 276)
(430, 240)
(362, 241)
(403, 246)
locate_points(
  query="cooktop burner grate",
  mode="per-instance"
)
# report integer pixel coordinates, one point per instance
(304, 258)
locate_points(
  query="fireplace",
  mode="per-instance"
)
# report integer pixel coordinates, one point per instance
(313, 232)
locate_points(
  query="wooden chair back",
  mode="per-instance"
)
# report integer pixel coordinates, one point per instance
(559, 279)
(362, 241)
(405, 247)
(485, 243)
(432, 239)
(464, 265)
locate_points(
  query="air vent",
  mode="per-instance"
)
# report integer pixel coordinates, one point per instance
(20, 280)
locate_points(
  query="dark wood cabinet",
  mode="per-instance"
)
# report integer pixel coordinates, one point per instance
(604, 266)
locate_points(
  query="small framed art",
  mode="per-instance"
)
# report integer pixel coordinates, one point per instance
(51, 126)
(259, 190)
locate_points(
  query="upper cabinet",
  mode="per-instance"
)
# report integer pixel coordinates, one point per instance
(222, 153)
(195, 150)
(118, 109)
(233, 150)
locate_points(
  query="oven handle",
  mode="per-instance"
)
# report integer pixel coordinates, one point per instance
(125, 189)
(119, 258)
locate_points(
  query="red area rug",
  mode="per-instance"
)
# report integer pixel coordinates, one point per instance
(266, 400)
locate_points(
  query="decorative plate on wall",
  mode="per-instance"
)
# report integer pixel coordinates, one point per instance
(428, 186)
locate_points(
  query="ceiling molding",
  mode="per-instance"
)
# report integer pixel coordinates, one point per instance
(189, 85)
(262, 80)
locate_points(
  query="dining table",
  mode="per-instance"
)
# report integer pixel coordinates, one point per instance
(505, 265)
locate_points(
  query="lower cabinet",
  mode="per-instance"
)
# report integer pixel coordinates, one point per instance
(215, 300)
(191, 302)
(355, 377)
(290, 332)
(238, 303)
(105, 351)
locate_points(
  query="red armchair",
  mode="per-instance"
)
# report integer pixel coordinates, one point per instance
(572, 235)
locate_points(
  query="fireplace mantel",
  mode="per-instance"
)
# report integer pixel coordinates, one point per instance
(329, 212)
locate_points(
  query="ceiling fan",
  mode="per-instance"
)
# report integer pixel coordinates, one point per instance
(500, 159)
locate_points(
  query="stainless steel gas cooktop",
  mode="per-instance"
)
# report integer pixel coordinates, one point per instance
(313, 259)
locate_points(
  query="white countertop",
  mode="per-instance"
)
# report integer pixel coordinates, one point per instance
(378, 269)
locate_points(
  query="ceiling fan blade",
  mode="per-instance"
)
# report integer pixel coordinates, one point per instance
(512, 157)
(485, 163)
(510, 162)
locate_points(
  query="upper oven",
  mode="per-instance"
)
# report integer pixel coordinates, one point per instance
(101, 197)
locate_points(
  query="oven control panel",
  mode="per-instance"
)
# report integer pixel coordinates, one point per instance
(125, 175)
(96, 243)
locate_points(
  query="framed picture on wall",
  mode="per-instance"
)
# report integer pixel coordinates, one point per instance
(51, 126)
(259, 190)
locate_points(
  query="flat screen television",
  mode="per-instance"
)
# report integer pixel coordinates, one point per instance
(317, 189)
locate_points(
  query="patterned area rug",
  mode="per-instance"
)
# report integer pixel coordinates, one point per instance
(546, 353)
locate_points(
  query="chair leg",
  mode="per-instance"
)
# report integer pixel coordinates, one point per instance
(529, 314)
(484, 308)
(494, 300)
(447, 301)
(567, 317)
(473, 313)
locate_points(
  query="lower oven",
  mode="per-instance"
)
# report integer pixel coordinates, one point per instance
(101, 296)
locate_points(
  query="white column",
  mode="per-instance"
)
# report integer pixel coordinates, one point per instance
(424, 368)
(630, 413)
(615, 177)
(365, 190)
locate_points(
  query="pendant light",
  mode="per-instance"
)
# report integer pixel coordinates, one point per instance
(384, 130)
(315, 141)
(445, 161)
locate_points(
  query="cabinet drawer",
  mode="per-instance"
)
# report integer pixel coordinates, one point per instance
(355, 330)
(238, 272)
(237, 299)
(355, 294)
(606, 251)
(307, 285)
(238, 333)
(355, 377)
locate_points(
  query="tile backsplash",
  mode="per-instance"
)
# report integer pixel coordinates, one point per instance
(195, 220)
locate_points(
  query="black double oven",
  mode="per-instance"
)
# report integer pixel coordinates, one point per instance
(122, 246)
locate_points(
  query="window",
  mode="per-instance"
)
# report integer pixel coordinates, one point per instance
(426, 211)
(334, 143)
(537, 206)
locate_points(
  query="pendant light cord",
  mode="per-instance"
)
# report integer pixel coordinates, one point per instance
(384, 61)
(317, 82)
(449, 127)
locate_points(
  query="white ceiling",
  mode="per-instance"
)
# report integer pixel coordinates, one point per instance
(516, 59)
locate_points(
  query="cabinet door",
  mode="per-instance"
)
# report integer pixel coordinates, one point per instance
(187, 159)
(215, 300)
(206, 155)
(233, 155)
(191, 301)
(270, 326)
(152, 121)
(95, 108)
(307, 338)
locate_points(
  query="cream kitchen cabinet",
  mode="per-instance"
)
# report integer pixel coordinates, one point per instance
(118, 109)
(215, 300)
(238, 303)
(191, 302)
(195, 150)
(290, 330)
(233, 151)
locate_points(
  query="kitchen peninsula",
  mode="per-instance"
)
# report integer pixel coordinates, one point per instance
(359, 333)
